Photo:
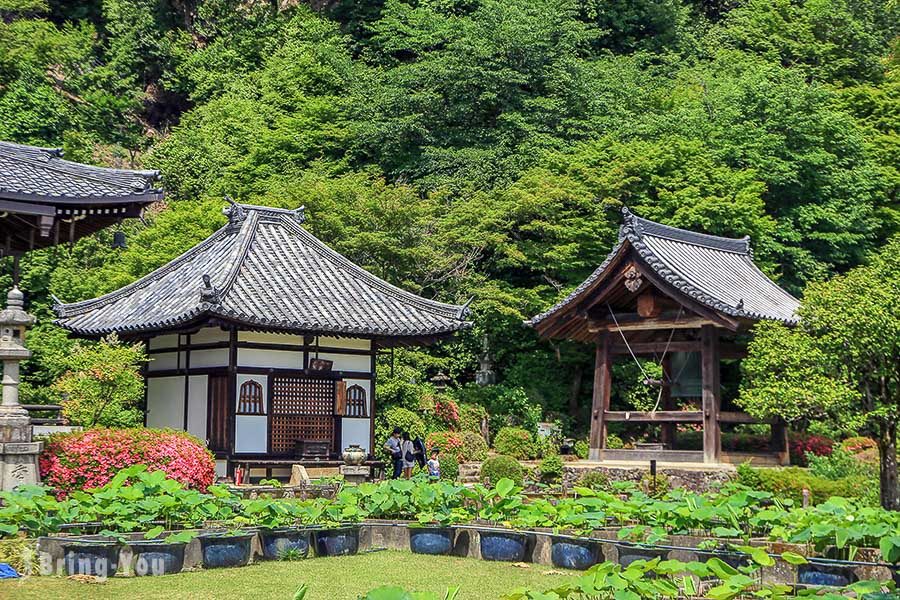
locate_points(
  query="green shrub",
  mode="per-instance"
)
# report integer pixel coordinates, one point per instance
(614, 442)
(496, 468)
(839, 465)
(396, 416)
(449, 467)
(595, 480)
(552, 469)
(655, 485)
(515, 442)
(789, 482)
(471, 417)
(582, 450)
(474, 447)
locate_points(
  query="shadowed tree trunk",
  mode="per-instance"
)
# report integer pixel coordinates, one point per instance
(887, 446)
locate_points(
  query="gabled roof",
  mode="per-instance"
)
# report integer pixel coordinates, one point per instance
(717, 272)
(41, 175)
(264, 271)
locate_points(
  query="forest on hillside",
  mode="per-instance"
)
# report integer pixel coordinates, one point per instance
(467, 148)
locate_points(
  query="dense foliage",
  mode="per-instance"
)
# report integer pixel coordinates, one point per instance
(89, 459)
(468, 148)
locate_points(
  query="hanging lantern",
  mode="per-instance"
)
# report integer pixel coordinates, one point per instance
(119, 242)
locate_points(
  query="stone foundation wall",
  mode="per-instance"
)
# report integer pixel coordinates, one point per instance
(690, 479)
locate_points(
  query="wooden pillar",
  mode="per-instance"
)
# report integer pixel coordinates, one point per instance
(600, 403)
(778, 443)
(709, 366)
(668, 429)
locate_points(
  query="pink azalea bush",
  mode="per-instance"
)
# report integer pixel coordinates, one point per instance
(89, 459)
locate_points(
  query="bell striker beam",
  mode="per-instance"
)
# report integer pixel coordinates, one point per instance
(602, 388)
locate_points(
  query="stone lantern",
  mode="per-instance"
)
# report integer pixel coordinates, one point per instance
(485, 374)
(18, 454)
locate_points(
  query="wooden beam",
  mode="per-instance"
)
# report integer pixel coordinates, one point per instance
(728, 351)
(741, 417)
(601, 393)
(653, 323)
(709, 366)
(660, 416)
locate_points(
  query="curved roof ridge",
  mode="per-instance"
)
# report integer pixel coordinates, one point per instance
(52, 158)
(642, 227)
(447, 310)
(76, 308)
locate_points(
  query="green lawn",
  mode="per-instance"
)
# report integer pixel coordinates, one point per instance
(342, 578)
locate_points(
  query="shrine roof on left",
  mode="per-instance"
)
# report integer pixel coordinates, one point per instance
(46, 200)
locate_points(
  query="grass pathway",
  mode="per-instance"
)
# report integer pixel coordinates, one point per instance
(341, 578)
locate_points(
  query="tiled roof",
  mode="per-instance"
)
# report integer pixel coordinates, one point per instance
(263, 270)
(41, 174)
(716, 271)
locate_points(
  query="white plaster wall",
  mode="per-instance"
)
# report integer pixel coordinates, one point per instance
(197, 405)
(250, 434)
(355, 431)
(277, 359)
(164, 361)
(208, 335)
(355, 343)
(221, 468)
(346, 362)
(165, 402)
(209, 358)
(164, 341)
(270, 338)
(263, 381)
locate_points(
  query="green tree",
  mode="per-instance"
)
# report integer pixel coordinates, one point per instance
(102, 384)
(843, 360)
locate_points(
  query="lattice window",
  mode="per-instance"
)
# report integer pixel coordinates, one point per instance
(302, 409)
(356, 401)
(250, 399)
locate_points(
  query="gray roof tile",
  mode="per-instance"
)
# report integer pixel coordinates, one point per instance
(716, 271)
(267, 272)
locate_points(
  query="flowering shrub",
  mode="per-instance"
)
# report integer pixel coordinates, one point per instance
(446, 410)
(464, 446)
(859, 445)
(515, 442)
(801, 443)
(89, 459)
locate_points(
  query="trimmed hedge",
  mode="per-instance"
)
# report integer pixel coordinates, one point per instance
(464, 446)
(515, 442)
(496, 468)
(89, 459)
(789, 482)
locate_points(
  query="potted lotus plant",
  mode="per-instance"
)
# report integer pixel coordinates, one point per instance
(501, 504)
(280, 534)
(339, 531)
(155, 555)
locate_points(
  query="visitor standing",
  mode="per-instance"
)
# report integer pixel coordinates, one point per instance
(392, 445)
(434, 463)
(408, 452)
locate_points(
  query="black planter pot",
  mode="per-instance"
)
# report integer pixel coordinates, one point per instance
(574, 553)
(91, 557)
(629, 554)
(826, 574)
(284, 541)
(156, 557)
(337, 541)
(508, 546)
(431, 539)
(225, 549)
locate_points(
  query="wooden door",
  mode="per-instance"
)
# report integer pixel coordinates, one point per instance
(218, 433)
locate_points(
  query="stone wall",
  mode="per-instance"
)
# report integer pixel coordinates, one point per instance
(696, 480)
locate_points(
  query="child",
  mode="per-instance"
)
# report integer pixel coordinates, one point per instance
(434, 464)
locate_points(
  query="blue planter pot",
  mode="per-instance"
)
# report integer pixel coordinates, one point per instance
(629, 554)
(284, 541)
(98, 558)
(431, 540)
(156, 557)
(572, 553)
(338, 541)
(225, 550)
(509, 546)
(824, 574)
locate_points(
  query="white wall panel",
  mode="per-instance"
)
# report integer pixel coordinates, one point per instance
(208, 335)
(251, 434)
(165, 402)
(276, 359)
(221, 468)
(347, 362)
(163, 361)
(197, 405)
(209, 358)
(164, 341)
(355, 343)
(355, 431)
(270, 338)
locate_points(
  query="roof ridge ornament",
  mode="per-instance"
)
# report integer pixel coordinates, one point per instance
(300, 214)
(236, 214)
(209, 293)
